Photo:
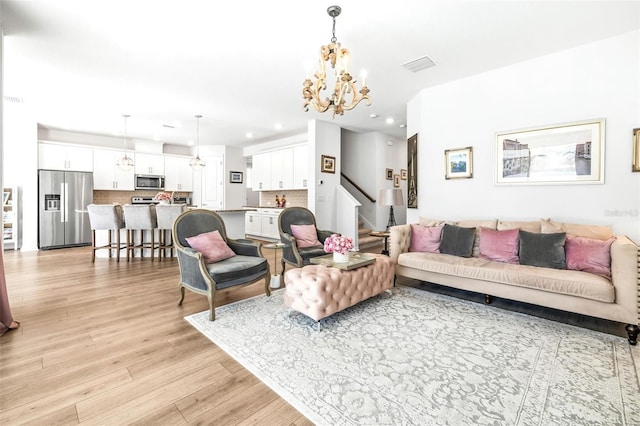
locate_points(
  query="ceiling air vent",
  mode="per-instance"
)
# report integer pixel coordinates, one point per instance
(13, 99)
(419, 64)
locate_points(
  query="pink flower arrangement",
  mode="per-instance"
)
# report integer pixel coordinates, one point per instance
(338, 244)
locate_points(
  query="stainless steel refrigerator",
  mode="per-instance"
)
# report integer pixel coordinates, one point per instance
(63, 218)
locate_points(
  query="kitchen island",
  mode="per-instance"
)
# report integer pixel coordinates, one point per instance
(234, 220)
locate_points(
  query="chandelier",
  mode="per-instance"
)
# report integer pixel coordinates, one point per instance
(345, 96)
(125, 163)
(196, 162)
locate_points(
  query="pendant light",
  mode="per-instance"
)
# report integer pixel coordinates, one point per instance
(196, 162)
(125, 163)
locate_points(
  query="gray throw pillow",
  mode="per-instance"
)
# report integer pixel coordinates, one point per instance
(457, 241)
(546, 250)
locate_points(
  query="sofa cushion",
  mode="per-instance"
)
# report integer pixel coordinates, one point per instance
(574, 283)
(589, 255)
(425, 221)
(425, 238)
(212, 246)
(457, 240)
(477, 223)
(596, 232)
(501, 246)
(305, 235)
(545, 250)
(526, 225)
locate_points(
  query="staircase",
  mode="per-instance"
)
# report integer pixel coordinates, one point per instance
(366, 242)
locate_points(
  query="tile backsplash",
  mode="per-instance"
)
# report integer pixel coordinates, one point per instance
(124, 197)
(295, 198)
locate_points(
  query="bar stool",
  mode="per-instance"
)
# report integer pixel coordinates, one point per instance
(106, 217)
(166, 214)
(140, 218)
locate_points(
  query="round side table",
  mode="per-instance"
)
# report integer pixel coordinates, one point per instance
(275, 278)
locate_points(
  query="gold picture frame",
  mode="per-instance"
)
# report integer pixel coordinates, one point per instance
(328, 164)
(635, 167)
(396, 181)
(403, 174)
(389, 174)
(458, 163)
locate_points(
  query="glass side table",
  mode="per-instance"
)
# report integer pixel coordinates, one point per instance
(275, 278)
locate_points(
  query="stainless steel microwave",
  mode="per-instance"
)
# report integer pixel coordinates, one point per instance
(149, 182)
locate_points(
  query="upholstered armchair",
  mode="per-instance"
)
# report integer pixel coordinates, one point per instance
(210, 261)
(295, 253)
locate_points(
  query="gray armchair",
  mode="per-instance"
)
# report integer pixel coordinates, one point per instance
(291, 253)
(246, 267)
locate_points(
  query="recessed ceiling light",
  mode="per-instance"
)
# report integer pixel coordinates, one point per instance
(373, 115)
(390, 120)
(403, 125)
(249, 135)
(278, 126)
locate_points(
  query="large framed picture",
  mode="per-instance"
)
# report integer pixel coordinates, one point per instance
(636, 151)
(328, 164)
(571, 153)
(412, 172)
(235, 177)
(458, 163)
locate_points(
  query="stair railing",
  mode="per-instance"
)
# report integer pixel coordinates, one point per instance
(347, 214)
(357, 187)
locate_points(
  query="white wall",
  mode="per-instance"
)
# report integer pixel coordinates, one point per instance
(235, 193)
(366, 156)
(597, 80)
(324, 139)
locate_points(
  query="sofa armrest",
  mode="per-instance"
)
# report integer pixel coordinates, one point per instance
(399, 240)
(625, 258)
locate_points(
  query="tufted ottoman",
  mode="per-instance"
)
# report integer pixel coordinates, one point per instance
(319, 291)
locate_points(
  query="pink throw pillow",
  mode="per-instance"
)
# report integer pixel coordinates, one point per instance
(589, 255)
(425, 238)
(305, 235)
(499, 246)
(212, 246)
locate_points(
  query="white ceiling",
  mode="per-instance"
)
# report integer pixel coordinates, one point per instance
(80, 64)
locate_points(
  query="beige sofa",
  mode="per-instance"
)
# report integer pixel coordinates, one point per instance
(617, 299)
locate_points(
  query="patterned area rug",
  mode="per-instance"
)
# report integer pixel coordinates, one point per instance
(415, 357)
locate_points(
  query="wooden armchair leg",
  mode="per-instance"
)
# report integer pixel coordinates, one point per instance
(181, 295)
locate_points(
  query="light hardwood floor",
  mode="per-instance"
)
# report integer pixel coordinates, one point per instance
(106, 343)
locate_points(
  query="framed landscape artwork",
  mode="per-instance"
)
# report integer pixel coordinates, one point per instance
(412, 170)
(328, 164)
(458, 163)
(571, 153)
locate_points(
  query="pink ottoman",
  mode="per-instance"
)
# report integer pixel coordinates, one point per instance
(318, 291)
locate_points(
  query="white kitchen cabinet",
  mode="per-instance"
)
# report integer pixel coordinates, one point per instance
(262, 172)
(149, 164)
(65, 157)
(107, 175)
(263, 223)
(270, 226)
(253, 223)
(300, 167)
(282, 169)
(178, 175)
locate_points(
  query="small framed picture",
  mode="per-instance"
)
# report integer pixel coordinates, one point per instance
(389, 174)
(403, 174)
(235, 177)
(396, 181)
(458, 163)
(5, 197)
(328, 164)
